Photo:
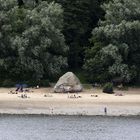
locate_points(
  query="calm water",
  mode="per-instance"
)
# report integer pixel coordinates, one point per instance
(69, 128)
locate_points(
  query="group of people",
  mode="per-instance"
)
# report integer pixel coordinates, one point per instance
(24, 96)
(20, 88)
(74, 96)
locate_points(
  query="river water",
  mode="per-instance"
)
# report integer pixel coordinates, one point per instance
(69, 128)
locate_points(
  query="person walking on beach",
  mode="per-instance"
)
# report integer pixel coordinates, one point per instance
(105, 111)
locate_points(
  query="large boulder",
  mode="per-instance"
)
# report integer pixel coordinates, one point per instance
(68, 83)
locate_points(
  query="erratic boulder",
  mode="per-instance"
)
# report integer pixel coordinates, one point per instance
(68, 83)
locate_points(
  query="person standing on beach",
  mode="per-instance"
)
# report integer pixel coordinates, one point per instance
(105, 111)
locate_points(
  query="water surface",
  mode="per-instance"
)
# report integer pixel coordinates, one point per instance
(69, 128)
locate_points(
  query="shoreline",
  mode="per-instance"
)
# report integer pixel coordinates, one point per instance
(61, 105)
(94, 110)
(62, 115)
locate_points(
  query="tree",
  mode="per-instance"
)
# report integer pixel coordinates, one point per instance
(31, 42)
(20, 2)
(80, 17)
(116, 43)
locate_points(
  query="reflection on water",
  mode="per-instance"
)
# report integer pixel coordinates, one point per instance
(69, 128)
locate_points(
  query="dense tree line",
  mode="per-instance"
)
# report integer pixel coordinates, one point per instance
(39, 39)
(115, 53)
(32, 45)
(80, 17)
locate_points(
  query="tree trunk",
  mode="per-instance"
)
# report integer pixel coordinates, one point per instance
(20, 3)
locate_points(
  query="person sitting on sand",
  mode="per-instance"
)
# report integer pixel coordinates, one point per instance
(19, 88)
(37, 87)
(94, 95)
(118, 94)
(22, 96)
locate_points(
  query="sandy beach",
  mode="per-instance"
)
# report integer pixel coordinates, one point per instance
(60, 104)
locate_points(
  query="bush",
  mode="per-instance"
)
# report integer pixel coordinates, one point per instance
(1, 82)
(41, 83)
(44, 83)
(8, 83)
(108, 88)
(31, 83)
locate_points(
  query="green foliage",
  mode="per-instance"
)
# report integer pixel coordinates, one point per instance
(31, 42)
(80, 17)
(44, 83)
(119, 36)
(8, 83)
(41, 83)
(108, 88)
(81, 75)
